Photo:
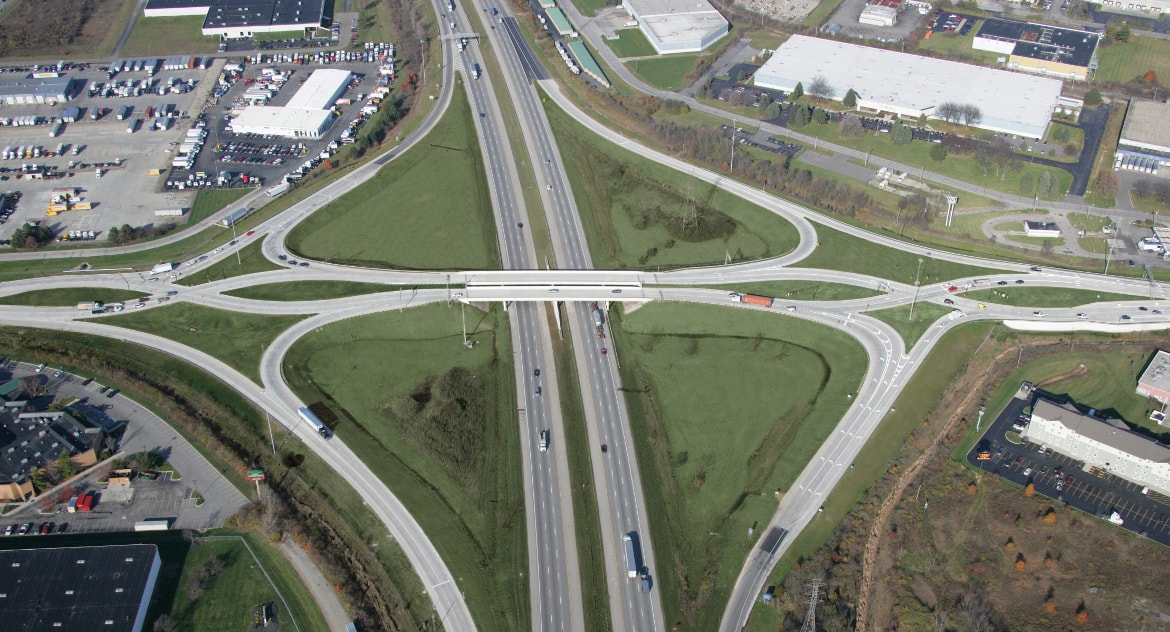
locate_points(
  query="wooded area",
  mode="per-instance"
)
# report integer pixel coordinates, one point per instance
(45, 23)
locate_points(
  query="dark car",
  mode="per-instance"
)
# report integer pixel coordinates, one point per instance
(536, 372)
(604, 448)
(63, 527)
(304, 264)
(111, 393)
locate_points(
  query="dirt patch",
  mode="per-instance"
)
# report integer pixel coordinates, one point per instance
(1080, 370)
(936, 545)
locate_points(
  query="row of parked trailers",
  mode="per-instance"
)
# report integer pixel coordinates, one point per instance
(1130, 162)
(150, 64)
(383, 53)
(22, 121)
(572, 65)
(29, 151)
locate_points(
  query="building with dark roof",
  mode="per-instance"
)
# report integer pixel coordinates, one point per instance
(32, 440)
(1106, 444)
(1047, 50)
(79, 589)
(245, 18)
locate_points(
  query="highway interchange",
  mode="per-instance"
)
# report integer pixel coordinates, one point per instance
(554, 577)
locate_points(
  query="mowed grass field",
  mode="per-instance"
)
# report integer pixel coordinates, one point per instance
(1024, 296)
(251, 260)
(666, 73)
(613, 188)
(427, 209)
(631, 43)
(99, 35)
(909, 326)
(727, 406)
(208, 202)
(308, 290)
(229, 598)
(839, 251)
(803, 290)
(362, 369)
(65, 297)
(1124, 62)
(169, 36)
(238, 339)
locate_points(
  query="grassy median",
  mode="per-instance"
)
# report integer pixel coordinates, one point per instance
(727, 406)
(436, 422)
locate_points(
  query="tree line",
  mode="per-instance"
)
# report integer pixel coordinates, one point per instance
(45, 23)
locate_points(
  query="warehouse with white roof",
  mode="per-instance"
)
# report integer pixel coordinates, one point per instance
(909, 85)
(677, 26)
(306, 115)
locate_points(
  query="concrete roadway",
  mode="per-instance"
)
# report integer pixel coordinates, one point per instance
(620, 502)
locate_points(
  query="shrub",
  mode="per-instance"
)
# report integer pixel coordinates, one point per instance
(1030, 490)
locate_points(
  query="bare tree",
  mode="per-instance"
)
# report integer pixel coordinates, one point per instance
(820, 88)
(970, 114)
(851, 126)
(947, 111)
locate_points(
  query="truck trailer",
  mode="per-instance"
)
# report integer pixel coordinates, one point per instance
(313, 421)
(631, 557)
(765, 301)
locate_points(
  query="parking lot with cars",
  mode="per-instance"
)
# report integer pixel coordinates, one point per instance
(1066, 480)
(148, 497)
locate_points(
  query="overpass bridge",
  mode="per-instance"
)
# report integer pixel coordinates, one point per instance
(551, 285)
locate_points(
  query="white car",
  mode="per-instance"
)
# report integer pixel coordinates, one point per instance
(1028, 472)
(1038, 314)
(1082, 316)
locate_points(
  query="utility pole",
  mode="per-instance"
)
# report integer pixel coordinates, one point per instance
(734, 126)
(917, 276)
(1112, 243)
(810, 619)
(238, 260)
(271, 437)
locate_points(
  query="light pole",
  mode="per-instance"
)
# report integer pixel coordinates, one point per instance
(238, 259)
(1113, 242)
(917, 277)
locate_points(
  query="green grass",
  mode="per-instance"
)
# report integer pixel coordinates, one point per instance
(631, 43)
(279, 35)
(1099, 245)
(664, 73)
(957, 47)
(962, 167)
(1076, 139)
(591, 7)
(1024, 296)
(251, 260)
(823, 10)
(308, 290)
(228, 601)
(474, 516)
(925, 315)
(65, 297)
(1089, 223)
(1035, 241)
(970, 225)
(374, 23)
(935, 375)
(211, 201)
(614, 188)
(1123, 62)
(803, 290)
(726, 407)
(1147, 203)
(236, 338)
(169, 36)
(839, 251)
(429, 208)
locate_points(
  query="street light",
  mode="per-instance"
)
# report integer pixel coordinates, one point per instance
(917, 276)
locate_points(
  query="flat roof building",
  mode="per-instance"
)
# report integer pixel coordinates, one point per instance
(1047, 230)
(1144, 144)
(1155, 380)
(78, 589)
(910, 86)
(878, 15)
(321, 89)
(1106, 444)
(1040, 48)
(26, 90)
(30, 440)
(677, 26)
(265, 120)
(244, 18)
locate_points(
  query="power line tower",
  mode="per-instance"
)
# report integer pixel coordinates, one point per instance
(810, 619)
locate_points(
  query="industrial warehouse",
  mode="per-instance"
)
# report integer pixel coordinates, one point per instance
(30, 439)
(306, 115)
(910, 86)
(1040, 48)
(51, 89)
(245, 18)
(1144, 144)
(677, 26)
(1107, 444)
(78, 589)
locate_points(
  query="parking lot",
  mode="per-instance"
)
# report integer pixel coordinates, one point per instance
(164, 497)
(846, 18)
(1068, 481)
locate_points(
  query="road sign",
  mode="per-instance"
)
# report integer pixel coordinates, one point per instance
(256, 475)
